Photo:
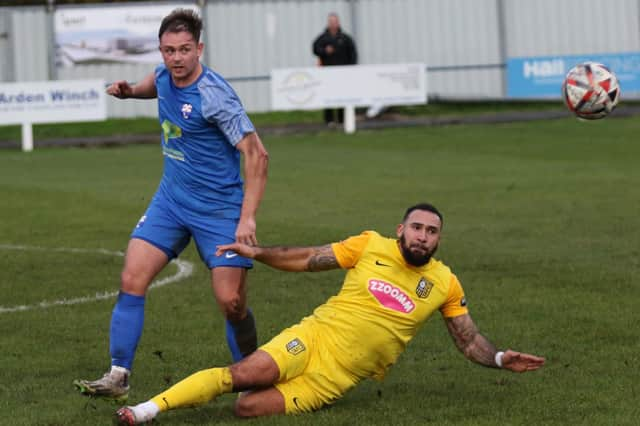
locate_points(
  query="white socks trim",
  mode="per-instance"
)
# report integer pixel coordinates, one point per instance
(145, 411)
(119, 370)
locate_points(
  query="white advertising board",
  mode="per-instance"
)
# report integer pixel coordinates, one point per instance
(52, 101)
(122, 33)
(348, 86)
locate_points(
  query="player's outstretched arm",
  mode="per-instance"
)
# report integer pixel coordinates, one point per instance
(144, 89)
(478, 349)
(294, 259)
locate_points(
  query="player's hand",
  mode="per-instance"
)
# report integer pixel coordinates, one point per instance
(246, 232)
(520, 362)
(120, 89)
(243, 250)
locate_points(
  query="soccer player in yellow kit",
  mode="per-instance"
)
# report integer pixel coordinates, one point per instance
(391, 288)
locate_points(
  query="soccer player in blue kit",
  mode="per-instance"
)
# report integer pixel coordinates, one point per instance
(204, 131)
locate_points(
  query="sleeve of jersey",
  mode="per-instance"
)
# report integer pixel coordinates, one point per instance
(159, 70)
(456, 304)
(221, 106)
(348, 251)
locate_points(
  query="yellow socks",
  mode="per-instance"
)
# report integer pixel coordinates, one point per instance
(196, 389)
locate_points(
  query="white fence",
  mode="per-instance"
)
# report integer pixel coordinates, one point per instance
(465, 44)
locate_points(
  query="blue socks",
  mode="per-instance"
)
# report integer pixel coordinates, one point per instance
(127, 320)
(242, 336)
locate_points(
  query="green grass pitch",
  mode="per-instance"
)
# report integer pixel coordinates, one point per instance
(541, 226)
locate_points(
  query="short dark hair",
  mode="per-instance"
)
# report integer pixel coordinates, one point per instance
(426, 207)
(182, 20)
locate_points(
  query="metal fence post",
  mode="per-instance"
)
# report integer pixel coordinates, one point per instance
(51, 44)
(353, 21)
(502, 43)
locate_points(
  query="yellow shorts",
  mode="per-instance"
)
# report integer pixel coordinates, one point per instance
(309, 375)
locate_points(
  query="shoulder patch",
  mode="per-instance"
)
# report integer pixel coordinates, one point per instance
(295, 346)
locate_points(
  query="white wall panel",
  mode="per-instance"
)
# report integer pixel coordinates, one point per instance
(249, 38)
(246, 38)
(453, 32)
(6, 46)
(113, 72)
(440, 34)
(255, 95)
(568, 27)
(459, 40)
(30, 36)
(465, 84)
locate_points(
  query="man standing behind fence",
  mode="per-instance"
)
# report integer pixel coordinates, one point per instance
(334, 47)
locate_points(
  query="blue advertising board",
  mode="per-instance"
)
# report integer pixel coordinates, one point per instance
(541, 76)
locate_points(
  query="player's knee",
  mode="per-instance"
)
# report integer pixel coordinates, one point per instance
(233, 308)
(246, 407)
(131, 283)
(242, 408)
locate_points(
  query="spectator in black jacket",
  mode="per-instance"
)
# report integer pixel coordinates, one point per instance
(334, 47)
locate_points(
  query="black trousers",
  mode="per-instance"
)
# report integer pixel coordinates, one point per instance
(335, 115)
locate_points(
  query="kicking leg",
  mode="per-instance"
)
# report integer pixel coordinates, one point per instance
(257, 370)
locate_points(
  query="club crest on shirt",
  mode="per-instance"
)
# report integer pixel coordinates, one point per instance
(186, 110)
(424, 288)
(295, 346)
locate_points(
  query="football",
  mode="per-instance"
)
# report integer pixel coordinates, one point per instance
(591, 90)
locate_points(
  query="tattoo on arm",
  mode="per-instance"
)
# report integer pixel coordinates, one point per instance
(322, 259)
(470, 342)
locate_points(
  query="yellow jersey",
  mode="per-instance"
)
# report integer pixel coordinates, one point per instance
(382, 303)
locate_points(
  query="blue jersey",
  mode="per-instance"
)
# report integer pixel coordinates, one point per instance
(201, 125)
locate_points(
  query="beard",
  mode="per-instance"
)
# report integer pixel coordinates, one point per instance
(413, 258)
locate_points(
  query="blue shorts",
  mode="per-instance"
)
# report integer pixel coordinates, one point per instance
(169, 228)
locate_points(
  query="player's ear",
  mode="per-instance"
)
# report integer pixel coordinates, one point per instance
(200, 48)
(399, 230)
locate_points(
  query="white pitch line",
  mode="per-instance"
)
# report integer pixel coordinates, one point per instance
(185, 269)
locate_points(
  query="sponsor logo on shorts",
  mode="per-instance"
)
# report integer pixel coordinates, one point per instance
(391, 296)
(295, 346)
(463, 301)
(424, 288)
(141, 221)
(230, 255)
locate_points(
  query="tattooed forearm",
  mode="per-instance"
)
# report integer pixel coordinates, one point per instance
(297, 259)
(322, 259)
(471, 343)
